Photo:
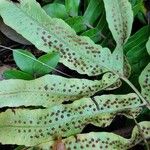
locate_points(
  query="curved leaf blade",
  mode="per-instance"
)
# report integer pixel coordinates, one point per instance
(77, 23)
(77, 52)
(32, 127)
(148, 46)
(49, 90)
(72, 7)
(101, 140)
(51, 60)
(119, 16)
(135, 50)
(24, 60)
(56, 10)
(144, 81)
(17, 74)
(93, 11)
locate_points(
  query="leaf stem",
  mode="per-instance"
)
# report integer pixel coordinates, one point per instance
(136, 91)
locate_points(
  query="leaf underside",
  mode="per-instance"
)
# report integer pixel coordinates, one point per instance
(50, 90)
(144, 81)
(101, 140)
(144, 78)
(77, 52)
(119, 16)
(32, 127)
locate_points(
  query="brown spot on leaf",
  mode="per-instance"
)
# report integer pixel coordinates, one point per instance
(46, 87)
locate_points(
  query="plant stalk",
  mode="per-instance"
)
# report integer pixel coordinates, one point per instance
(136, 91)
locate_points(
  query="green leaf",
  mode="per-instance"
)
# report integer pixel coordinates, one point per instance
(135, 43)
(32, 127)
(99, 32)
(144, 81)
(135, 50)
(77, 23)
(50, 59)
(72, 7)
(101, 140)
(77, 53)
(93, 11)
(142, 17)
(119, 16)
(17, 74)
(50, 90)
(93, 33)
(148, 46)
(56, 10)
(137, 6)
(24, 60)
(59, 1)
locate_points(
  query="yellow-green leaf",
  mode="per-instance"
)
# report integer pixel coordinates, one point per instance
(49, 90)
(101, 140)
(119, 16)
(32, 127)
(79, 53)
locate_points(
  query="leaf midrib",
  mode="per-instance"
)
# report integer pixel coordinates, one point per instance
(60, 39)
(115, 111)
